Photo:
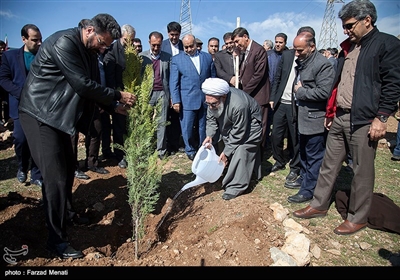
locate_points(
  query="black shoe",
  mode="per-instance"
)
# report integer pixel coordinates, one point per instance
(37, 182)
(123, 164)
(78, 220)
(296, 184)
(181, 150)
(21, 176)
(65, 251)
(81, 175)
(109, 155)
(100, 170)
(292, 176)
(298, 198)
(395, 158)
(191, 156)
(227, 196)
(276, 167)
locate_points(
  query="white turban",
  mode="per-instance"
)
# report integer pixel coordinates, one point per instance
(215, 87)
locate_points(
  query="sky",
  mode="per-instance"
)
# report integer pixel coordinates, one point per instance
(210, 18)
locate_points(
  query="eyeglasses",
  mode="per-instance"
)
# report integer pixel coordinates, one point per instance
(102, 43)
(214, 104)
(350, 26)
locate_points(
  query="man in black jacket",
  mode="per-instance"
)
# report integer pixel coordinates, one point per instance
(365, 93)
(60, 80)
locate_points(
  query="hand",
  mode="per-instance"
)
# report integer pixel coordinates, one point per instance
(328, 123)
(271, 103)
(297, 86)
(177, 107)
(128, 98)
(233, 81)
(224, 159)
(377, 130)
(207, 142)
(122, 109)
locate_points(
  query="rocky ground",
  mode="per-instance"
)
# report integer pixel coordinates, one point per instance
(198, 228)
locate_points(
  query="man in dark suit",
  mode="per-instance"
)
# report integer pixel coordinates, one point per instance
(173, 45)
(13, 72)
(283, 120)
(253, 73)
(189, 69)
(225, 60)
(114, 65)
(314, 79)
(160, 61)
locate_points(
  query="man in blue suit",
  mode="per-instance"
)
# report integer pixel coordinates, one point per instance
(13, 72)
(189, 69)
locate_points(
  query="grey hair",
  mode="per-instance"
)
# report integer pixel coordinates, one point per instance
(128, 29)
(269, 43)
(359, 9)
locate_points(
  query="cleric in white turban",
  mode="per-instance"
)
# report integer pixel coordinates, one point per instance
(233, 118)
(215, 87)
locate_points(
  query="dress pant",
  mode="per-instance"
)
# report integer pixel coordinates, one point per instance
(339, 142)
(93, 140)
(282, 122)
(113, 126)
(52, 151)
(190, 119)
(158, 97)
(23, 152)
(312, 149)
(105, 118)
(173, 131)
(119, 126)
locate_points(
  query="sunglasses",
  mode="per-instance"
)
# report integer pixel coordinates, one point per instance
(350, 26)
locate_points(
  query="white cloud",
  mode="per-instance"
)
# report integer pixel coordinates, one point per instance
(7, 14)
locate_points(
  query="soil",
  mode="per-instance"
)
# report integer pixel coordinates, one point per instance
(199, 227)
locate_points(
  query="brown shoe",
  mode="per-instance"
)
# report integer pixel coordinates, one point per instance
(309, 212)
(348, 228)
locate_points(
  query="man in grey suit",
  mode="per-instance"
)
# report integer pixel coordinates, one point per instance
(173, 45)
(189, 69)
(314, 79)
(160, 61)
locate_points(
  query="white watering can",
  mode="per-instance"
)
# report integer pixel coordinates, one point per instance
(206, 167)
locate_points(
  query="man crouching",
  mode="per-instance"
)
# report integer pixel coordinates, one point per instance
(234, 118)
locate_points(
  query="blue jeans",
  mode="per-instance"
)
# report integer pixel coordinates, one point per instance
(396, 151)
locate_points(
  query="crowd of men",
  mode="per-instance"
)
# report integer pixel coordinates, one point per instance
(245, 99)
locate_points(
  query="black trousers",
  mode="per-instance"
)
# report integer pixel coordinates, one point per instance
(282, 122)
(52, 151)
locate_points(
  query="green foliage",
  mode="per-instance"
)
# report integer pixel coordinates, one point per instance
(143, 171)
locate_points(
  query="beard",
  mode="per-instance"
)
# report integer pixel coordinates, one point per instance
(216, 113)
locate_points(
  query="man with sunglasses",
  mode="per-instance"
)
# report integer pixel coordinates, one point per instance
(236, 117)
(365, 93)
(61, 78)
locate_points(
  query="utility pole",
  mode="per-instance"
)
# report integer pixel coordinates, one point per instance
(185, 19)
(328, 37)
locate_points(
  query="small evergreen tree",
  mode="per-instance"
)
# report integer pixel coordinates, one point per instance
(143, 171)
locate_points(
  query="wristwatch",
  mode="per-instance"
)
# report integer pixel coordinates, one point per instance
(383, 118)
